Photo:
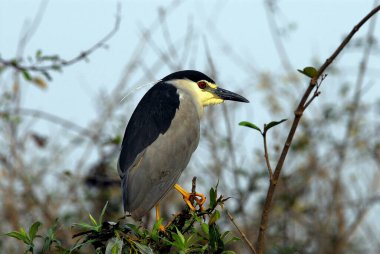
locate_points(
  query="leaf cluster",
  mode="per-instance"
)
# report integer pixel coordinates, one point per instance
(188, 232)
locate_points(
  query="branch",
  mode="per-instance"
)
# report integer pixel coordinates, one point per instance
(266, 155)
(59, 63)
(241, 232)
(260, 244)
(53, 119)
(316, 92)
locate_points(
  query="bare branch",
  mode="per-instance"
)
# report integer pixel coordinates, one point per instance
(260, 244)
(316, 92)
(266, 156)
(51, 118)
(13, 63)
(241, 232)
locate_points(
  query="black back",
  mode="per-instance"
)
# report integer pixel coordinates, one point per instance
(152, 117)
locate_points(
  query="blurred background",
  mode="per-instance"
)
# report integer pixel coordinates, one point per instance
(61, 128)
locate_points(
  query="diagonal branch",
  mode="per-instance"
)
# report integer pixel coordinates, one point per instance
(260, 244)
(241, 232)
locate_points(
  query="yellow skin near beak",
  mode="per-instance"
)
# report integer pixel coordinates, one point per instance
(202, 97)
(206, 96)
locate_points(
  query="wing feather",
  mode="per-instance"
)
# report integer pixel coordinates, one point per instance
(152, 117)
(153, 155)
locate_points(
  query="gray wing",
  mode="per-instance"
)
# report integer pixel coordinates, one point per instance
(157, 168)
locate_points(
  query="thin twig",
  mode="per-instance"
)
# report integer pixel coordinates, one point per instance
(276, 38)
(32, 28)
(266, 156)
(316, 92)
(260, 244)
(240, 232)
(62, 62)
(193, 185)
(53, 119)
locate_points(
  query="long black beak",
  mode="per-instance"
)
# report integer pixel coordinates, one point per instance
(227, 95)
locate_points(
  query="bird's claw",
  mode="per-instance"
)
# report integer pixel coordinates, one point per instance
(199, 198)
(188, 197)
(162, 228)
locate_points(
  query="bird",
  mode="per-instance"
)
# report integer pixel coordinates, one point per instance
(161, 136)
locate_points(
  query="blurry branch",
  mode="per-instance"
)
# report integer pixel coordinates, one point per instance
(56, 63)
(347, 230)
(269, 6)
(230, 145)
(360, 77)
(51, 118)
(167, 35)
(25, 37)
(166, 57)
(260, 244)
(241, 232)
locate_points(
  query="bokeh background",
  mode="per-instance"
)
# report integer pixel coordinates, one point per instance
(60, 137)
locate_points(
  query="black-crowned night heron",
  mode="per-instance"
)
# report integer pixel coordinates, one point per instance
(161, 136)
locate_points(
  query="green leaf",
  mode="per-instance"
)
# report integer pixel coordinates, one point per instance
(114, 246)
(212, 197)
(225, 234)
(84, 226)
(180, 236)
(102, 213)
(135, 229)
(231, 240)
(92, 219)
(116, 140)
(56, 67)
(205, 228)
(22, 231)
(50, 238)
(311, 72)
(214, 217)
(216, 244)
(143, 248)
(179, 240)
(52, 58)
(80, 245)
(155, 231)
(27, 75)
(250, 125)
(38, 53)
(272, 124)
(18, 235)
(33, 229)
(47, 75)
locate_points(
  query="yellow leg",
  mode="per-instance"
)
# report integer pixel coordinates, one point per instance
(198, 197)
(160, 227)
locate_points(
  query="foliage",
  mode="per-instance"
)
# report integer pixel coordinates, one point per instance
(266, 126)
(188, 232)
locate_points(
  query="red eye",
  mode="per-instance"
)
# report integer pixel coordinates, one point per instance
(202, 84)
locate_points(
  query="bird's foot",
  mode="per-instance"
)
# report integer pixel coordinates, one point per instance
(158, 219)
(162, 228)
(189, 197)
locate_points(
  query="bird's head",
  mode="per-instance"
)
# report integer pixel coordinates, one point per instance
(202, 87)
